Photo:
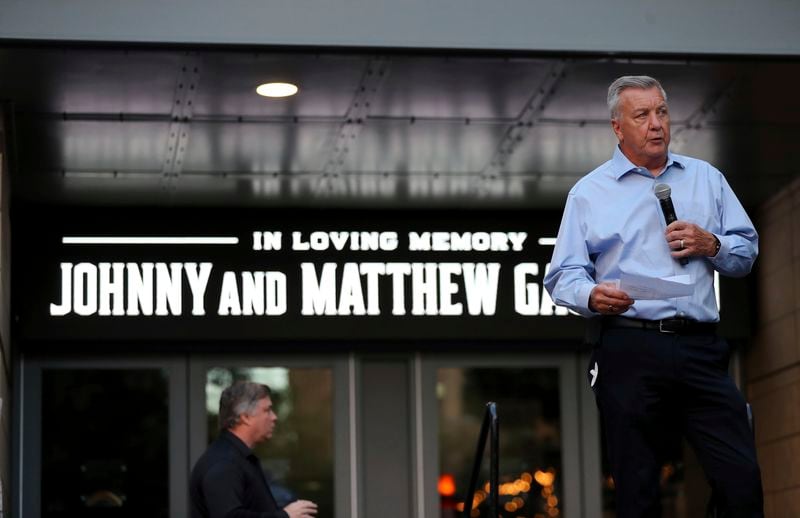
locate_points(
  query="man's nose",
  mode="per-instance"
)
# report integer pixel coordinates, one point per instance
(655, 121)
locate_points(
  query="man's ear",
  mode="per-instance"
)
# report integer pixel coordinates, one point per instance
(616, 128)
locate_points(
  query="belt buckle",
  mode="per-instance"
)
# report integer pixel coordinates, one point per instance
(662, 330)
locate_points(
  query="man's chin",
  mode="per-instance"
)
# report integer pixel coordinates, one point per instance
(657, 154)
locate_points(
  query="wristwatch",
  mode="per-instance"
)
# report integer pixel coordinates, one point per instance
(717, 246)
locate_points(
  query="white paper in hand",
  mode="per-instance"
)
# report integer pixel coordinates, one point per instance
(639, 287)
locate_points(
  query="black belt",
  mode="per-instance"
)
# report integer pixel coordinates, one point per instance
(681, 326)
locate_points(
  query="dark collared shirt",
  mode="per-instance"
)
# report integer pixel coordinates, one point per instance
(228, 482)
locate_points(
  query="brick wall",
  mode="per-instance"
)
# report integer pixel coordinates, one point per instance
(772, 364)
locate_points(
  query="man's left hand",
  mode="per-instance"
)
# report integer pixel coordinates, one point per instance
(687, 239)
(301, 509)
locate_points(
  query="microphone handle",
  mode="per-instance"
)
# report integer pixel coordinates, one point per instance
(669, 216)
(669, 210)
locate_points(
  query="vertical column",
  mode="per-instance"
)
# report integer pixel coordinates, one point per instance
(385, 445)
(772, 366)
(5, 289)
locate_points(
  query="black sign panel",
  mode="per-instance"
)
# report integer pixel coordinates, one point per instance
(221, 274)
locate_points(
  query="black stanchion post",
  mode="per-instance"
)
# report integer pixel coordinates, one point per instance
(490, 425)
(494, 452)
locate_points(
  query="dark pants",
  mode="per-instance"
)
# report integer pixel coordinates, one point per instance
(650, 388)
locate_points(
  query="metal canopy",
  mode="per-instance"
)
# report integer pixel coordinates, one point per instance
(146, 126)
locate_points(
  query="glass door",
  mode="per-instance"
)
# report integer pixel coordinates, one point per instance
(118, 437)
(101, 438)
(308, 455)
(540, 457)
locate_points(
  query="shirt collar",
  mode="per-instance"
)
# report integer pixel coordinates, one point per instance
(237, 443)
(620, 165)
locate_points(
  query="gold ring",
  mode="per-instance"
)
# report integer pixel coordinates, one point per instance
(682, 244)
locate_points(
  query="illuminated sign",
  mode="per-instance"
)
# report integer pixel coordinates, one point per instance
(253, 275)
(424, 288)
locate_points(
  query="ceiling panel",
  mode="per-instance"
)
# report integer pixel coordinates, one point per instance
(553, 149)
(251, 147)
(581, 94)
(56, 145)
(431, 147)
(89, 81)
(93, 124)
(228, 81)
(440, 87)
(692, 86)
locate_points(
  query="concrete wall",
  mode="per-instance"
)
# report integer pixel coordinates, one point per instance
(773, 363)
(678, 26)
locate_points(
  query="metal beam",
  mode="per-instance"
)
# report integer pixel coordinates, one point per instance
(185, 92)
(529, 117)
(376, 71)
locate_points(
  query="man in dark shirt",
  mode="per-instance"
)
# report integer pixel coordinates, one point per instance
(227, 481)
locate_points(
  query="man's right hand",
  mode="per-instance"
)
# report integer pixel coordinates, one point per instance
(606, 299)
(301, 509)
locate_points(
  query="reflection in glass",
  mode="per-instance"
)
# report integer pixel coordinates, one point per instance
(104, 443)
(530, 440)
(298, 460)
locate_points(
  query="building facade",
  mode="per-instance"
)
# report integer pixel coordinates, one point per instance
(371, 248)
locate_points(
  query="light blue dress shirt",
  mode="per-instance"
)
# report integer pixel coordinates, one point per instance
(613, 223)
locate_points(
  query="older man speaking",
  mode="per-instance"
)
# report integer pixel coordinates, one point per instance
(658, 365)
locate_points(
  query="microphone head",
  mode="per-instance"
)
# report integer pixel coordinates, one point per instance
(662, 191)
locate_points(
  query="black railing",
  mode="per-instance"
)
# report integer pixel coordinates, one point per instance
(489, 427)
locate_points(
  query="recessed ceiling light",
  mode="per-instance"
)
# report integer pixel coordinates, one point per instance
(276, 89)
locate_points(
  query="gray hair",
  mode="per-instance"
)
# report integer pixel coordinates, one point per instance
(624, 82)
(240, 398)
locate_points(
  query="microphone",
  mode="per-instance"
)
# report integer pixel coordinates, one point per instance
(664, 195)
